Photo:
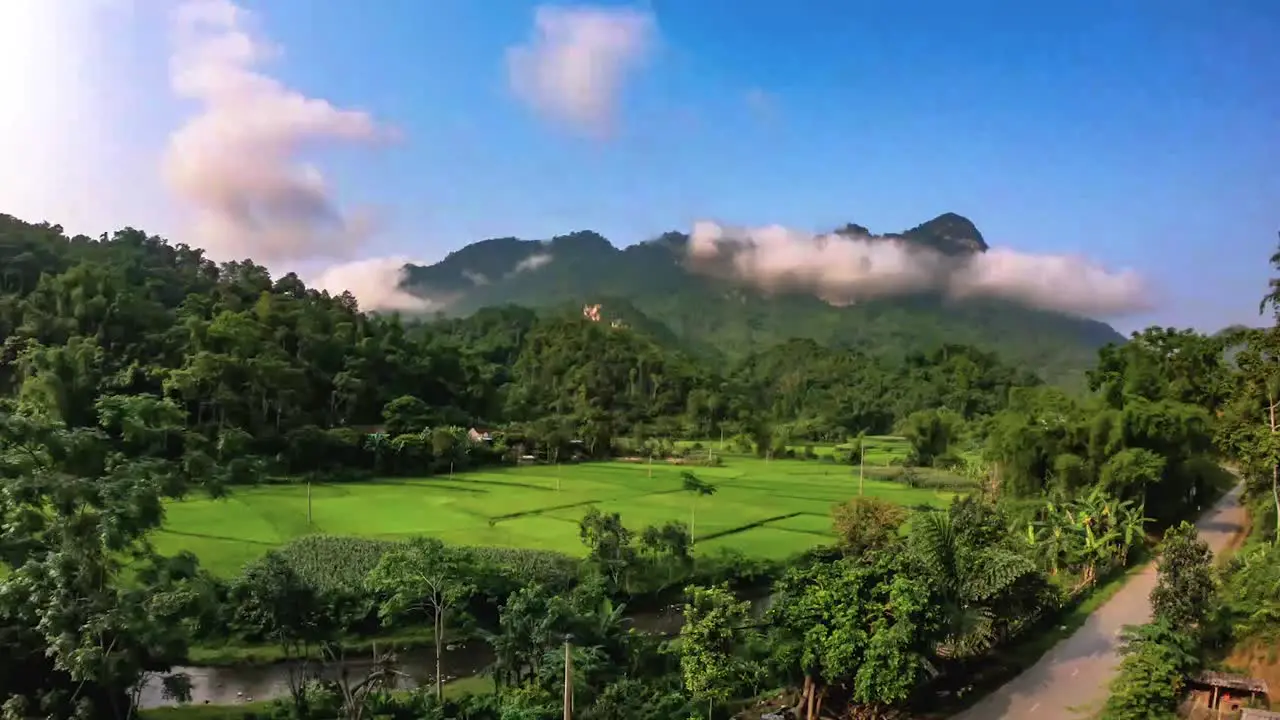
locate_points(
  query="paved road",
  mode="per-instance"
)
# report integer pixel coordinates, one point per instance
(1071, 679)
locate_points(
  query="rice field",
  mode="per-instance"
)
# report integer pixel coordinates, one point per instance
(762, 508)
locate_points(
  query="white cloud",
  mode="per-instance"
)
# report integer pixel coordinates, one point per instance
(475, 277)
(842, 269)
(236, 163)
(375, 283)
(575, 65)
(533, 262)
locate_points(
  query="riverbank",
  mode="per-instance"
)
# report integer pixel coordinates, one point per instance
(477, 685)
(240, 654)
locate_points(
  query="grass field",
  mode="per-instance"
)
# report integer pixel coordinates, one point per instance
(767, 509)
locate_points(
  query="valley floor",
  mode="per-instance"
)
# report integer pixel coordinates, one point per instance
(767, 509)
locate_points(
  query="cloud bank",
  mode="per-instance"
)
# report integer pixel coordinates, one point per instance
(842, 269)
(574, 66)
(236, 164)
(375, 283)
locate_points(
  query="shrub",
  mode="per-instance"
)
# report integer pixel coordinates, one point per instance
(867, 523)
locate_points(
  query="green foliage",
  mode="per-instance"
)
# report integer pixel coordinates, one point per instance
(1186, 589)
(77, 504)
(865, 625)
(711, 643)
(1156, 660)
(865, 524)
(1158, 656)
(1143, 438)
(986, 587)
(329, 563)
(1251, 593)
(423, 576)
(609, 544)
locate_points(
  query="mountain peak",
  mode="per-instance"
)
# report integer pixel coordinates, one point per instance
(949, 234)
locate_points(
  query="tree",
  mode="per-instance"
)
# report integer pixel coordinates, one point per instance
(424, 576)
(405, 415)
(77, 506)
(1185, 590)
(711, 640)
(696, 487)
(1156, 659)
(531, 623)
(669, 544)
(864, 524)
(273, 603)
(977, 584)
(930, 433)
(1250, 429)
(866, 626)
(609, 544)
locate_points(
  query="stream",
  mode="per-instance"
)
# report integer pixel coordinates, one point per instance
(250, 683)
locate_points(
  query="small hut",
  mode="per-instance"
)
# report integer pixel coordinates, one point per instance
(1225, 692)
(1255, 714)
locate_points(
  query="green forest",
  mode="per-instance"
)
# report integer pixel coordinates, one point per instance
(138, 378)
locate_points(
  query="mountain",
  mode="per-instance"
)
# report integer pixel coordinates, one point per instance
(651, 285)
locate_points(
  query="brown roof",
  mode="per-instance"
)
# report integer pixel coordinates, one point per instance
(1233, 682)
(1255, 714)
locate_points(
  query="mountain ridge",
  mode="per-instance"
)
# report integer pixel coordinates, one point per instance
(717, 314)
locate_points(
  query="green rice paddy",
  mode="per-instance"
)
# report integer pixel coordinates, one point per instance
(768, 509)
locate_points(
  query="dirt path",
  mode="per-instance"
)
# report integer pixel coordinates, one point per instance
(1071, 680)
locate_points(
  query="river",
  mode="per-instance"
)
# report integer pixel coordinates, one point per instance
(248, 683)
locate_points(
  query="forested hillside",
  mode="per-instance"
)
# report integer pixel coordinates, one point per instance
(713, 317)
(277, 361)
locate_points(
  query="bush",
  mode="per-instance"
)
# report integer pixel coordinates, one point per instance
(867, 523)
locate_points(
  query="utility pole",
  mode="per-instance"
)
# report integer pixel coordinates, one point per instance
(862, 463)
(568, 681)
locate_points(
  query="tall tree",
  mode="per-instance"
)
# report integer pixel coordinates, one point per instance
(426, 577)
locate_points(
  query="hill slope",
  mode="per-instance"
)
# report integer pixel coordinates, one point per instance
(651, 283)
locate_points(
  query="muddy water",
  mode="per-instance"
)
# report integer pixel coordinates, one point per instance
(231, 685)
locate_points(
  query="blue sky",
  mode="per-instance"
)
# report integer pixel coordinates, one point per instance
(1140, 133)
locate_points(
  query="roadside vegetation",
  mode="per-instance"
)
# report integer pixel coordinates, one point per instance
(1225, 617)
(203, 464)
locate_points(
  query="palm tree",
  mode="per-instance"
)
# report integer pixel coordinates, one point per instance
(376, 442)
(970, 582)
(698, 488)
